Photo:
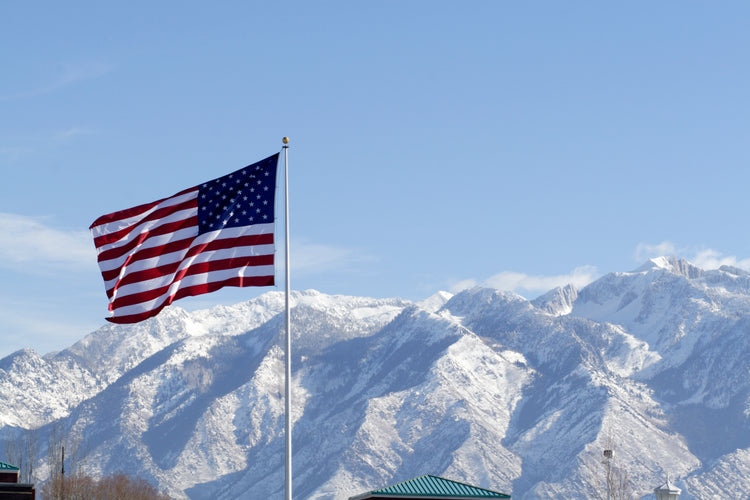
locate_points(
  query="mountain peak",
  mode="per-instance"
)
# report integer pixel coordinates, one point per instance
(559, 301)
(672, 264)
(736, 271)
(435, 301)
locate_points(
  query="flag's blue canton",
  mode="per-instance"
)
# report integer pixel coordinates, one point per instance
(241, 198)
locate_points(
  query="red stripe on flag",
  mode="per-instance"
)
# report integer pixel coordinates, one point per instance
(149, 253)
(169, 269)
(134, 211)
(175, 246)
(116, 236)
(192, 291)
(162, 230)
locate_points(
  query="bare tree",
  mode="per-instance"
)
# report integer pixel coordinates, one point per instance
(65, 459)
(114, 487)
(122, 487)
(65, 469)
(22, 450)
(605, 477)
(76, 487)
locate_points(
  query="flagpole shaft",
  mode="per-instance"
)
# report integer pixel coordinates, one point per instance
(288, 376)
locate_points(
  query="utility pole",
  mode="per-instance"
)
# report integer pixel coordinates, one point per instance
(62, 473)
(607, 457)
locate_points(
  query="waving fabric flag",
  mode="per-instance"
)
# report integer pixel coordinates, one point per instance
(218, 234)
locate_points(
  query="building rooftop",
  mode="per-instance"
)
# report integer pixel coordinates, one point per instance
(668, 488)
(8, 467)
(431, 487)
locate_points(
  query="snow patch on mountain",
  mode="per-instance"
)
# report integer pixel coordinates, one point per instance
(34, 391)
(557, 302)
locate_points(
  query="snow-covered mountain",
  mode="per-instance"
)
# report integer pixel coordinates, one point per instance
(484, 387)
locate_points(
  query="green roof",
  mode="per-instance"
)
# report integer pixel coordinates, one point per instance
(433, 487)
(4, 466)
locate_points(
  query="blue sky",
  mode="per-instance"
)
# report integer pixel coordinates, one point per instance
(435, 145)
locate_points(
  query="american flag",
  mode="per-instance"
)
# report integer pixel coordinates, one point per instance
(218, 234)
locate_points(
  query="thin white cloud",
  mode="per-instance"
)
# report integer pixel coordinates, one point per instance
(24, 146)
(12, 153)
(25, 239)
(712, 259)
(40, 326)
(462, 285)
(645, 251)
(529, 285)
(705, 258)
(69, 134)
(307, 258)
(68, 74)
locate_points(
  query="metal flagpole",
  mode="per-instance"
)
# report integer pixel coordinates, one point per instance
(288, 377)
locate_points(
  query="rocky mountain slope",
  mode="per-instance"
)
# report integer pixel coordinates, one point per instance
(483, 387)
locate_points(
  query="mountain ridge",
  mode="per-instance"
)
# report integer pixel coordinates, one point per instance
(482, 386)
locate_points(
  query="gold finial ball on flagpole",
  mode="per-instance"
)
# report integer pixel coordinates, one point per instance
(285, 140)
